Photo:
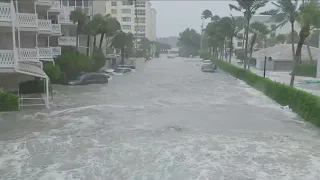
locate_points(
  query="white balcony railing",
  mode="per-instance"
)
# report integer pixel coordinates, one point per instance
(55, 5)
(27, 20)
(67, 41)
(56, 51)
(45, 52)
(5, 12)
(26, 54)
(44, 25)
(6, 58)
(56, 28)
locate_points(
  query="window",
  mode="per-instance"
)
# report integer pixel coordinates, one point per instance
(113, 3)
(86, 3)
(240, 36)
(141, 3)
(113, 11)
(65, 2)
(141, 28)
(140, 20)
(140, 12)
(127, 3)
(72, 2)
(126, 11)
(239, 44)
(126, 27)
(79, 3)
(126, 19)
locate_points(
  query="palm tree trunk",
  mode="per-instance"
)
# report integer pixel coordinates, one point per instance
(297, 58)
(122, 55)
(101, 40)
(94, 42)
(292, 39)
(88, 45)
(251, 48)
(230, 48)
(246, 45)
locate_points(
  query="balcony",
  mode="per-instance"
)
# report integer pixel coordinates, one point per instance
(5, 12)
(44, 25)
(64, 16)
(27, 20)
(56, 51)
(27, 54)
(6, 58)
(45, 53)
(67, 41)
(55, 5)
(56, 29)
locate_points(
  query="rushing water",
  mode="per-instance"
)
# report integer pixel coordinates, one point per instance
(168, 120)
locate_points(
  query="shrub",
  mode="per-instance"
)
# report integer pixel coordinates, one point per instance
(8, 101)
(71, 63)
(99, 60)
(308, 69)
(240, 54)
(304, 104)
(52, 71)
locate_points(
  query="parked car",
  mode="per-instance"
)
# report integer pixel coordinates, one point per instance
(132, 67)
(208, 68)
(107, 71)
(121, 71)
(206, 61)
(90, 78)
(170, 56)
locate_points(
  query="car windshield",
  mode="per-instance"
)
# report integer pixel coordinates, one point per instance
(80, 77)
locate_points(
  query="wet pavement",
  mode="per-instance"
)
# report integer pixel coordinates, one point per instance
(169, 121)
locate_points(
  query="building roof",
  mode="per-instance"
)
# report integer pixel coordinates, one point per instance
(283, 52)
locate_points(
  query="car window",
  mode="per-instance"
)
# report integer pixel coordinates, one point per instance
(127, 70)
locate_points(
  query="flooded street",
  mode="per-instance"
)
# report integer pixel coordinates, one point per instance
(167, 121)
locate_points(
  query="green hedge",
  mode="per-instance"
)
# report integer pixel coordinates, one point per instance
(304, 104)
(308, 69)
(8, 101)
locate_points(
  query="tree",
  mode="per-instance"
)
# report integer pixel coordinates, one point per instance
(129, 44)
(162, 47)
(94, 27)
(295, 37)
(108, 27)
(281, 38)
(236, 26)
(118, 42)
(189, 42)
(206, 14)
(144, 44)
(258, 29)
(78, 17)
(248, 8)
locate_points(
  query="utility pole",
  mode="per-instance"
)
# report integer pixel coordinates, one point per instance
(201, 38)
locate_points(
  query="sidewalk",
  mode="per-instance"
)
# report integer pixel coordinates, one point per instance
(284, 77)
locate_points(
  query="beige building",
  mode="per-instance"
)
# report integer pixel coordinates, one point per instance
(144, 26)
(33, 31)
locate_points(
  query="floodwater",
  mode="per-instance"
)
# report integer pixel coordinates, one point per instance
(167, 121)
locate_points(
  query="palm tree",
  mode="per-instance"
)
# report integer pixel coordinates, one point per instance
(235, 27)
(248, 8)
(119, 42)
(257, 29)
(95, 27)
(78, 17)
(205, 15)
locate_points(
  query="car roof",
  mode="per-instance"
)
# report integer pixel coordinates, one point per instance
(123, 68)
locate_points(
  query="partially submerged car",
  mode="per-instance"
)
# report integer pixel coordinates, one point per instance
(90, 78)
(121, 71)
(132, 67)
(170, 56)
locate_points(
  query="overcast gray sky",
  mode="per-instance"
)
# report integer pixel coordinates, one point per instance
(175, 16)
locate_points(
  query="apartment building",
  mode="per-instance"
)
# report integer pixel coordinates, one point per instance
(238, 44)
(32, 32)
(143, 26)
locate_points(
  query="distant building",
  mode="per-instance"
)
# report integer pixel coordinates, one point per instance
(238, 43)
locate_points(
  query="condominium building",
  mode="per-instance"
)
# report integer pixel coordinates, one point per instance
(33, 31)
(143, 26)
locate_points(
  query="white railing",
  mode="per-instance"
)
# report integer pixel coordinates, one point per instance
(27, 20)
(26, 54)
(67, 41)
(5, 12)
(6, 58)
(56, 28)
(45, 53)
(55, 5)
(44, 25)
(56, 51)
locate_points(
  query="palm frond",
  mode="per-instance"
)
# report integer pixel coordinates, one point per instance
(231, 6)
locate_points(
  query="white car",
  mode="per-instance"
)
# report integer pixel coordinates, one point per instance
(206, 61)
(121, 71)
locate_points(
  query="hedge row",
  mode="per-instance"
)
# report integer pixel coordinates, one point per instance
(8, 101)
(306, 105)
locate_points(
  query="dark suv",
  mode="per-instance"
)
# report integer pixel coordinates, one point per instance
(90, 78)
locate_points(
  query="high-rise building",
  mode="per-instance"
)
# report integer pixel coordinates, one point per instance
(144, 25)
